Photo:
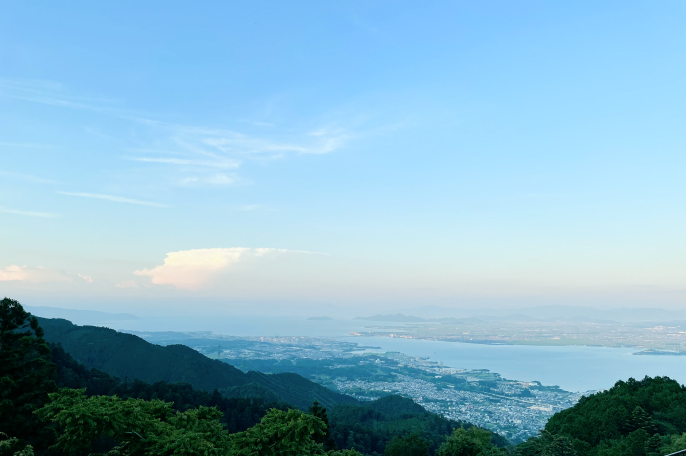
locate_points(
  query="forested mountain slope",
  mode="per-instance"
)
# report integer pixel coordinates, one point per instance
(239, 413)
(128, 356)
(636, 418)
(657, 405)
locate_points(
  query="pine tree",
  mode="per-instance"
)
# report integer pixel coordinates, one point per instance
(412, 445)
(640, 420)
(654, 445)
(26, 373)
(320, 412)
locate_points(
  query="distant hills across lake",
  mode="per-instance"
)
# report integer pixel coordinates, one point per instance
(542, 314)
(400, 318)
(78, 316)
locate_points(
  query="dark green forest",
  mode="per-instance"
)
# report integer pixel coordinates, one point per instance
(128, 356)
(79, 390)
(633, 418)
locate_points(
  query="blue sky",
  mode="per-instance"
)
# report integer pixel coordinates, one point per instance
(366, 155)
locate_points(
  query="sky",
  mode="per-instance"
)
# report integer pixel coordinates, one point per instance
(362, 155)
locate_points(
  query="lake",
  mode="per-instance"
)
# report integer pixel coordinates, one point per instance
(572, 368)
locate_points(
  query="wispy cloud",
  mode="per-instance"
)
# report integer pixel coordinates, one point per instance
(116, 199)
(230, 142)
(220, 179)
(317, 142)
(222, 163)
(214, 180)
(28, 213)
(329, 141)
(50, 93)
(28, 177)
(26, 145)
(185, 146)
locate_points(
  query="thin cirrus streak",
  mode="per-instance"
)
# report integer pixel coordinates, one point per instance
(323, 141)
(116, 199)
(224, 164)
(28, 213)
(28, 177)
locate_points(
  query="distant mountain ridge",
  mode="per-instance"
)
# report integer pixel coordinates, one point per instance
(128, 356)
(552, 313)
(79, 317)
(519, 317)
(399, 318)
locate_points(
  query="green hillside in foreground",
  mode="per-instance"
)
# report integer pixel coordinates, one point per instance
(633, 418)
(238, 413)
(128, 356)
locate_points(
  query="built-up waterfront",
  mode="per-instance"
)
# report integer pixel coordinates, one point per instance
(513, 417)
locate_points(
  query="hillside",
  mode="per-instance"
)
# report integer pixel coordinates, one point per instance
(239, 413)
(641, 418)
(128, 356)
(371, 426)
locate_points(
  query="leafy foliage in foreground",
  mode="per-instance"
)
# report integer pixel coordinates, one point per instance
(11, 446)
(470, 442)
(140, 427)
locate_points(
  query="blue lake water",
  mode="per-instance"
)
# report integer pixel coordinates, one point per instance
(571, 368)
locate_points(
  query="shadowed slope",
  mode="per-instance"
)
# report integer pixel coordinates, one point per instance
(128, 356)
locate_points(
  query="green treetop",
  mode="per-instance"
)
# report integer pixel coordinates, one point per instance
(26, 373)
(153, 428)
(471, 442)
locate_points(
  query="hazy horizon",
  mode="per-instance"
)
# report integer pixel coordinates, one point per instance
(542, 313)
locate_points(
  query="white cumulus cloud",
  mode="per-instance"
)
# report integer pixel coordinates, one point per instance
(192, 269)
(28, 274)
